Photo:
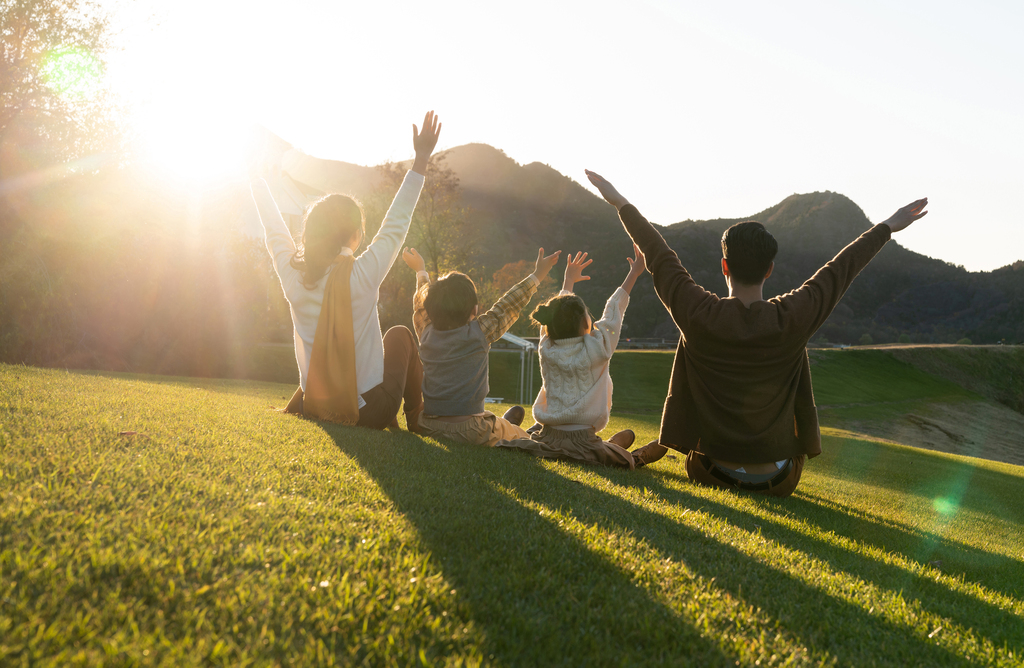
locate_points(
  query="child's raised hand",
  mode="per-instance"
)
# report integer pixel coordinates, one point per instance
(637, 263)
(414, 260)
(574, 271)
(545, 263)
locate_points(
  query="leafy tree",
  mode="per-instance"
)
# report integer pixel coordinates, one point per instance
(904, 338)
(866, 340)
(54, 105)
(440, 228)
(54, 108)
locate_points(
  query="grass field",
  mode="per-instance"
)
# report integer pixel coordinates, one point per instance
(157, 521)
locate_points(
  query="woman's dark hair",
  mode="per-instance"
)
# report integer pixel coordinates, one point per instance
(748, 249)
(562, 315)
(329, 223)
(450, 301)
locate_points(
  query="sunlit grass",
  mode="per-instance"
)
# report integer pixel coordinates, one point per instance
(183, 521)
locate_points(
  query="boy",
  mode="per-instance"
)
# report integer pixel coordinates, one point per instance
(740, 403)
(454, 346)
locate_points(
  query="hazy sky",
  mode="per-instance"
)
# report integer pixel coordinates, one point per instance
(693, 109)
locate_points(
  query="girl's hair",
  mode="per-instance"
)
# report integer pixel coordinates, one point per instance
(329, 223)
(562, 316)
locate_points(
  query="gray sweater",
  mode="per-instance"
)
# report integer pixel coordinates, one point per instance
(454, 370)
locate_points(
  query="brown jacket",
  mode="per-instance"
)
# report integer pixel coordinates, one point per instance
(741, 382)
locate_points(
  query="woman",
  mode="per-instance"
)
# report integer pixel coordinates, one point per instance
(348, 373)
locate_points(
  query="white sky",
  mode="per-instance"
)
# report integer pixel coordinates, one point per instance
(692, 109)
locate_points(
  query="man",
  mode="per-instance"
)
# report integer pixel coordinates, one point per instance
(740, 404)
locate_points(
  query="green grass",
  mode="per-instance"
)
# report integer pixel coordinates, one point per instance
(205, 537)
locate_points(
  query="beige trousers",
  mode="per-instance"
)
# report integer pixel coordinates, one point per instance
(486, 429)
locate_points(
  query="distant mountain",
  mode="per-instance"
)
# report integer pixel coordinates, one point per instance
(520, 207)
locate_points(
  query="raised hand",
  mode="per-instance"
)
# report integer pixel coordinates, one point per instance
(424, 141)
(545, 263)
(574, 271)
(908, 214)
(607, 190)
(637, 263)
(415, 261)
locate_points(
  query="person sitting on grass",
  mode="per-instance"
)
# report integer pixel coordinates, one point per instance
(740, 404)
(454, 347)
(348, 373)
(575, 398)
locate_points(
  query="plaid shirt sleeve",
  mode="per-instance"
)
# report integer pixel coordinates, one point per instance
(506, 310)
(420, 319)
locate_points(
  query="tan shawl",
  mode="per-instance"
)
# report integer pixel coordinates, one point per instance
(331, 382)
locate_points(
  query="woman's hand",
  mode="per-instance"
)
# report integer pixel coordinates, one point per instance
(574, 271)
(415, 261)
(424, 141)
(607, 190)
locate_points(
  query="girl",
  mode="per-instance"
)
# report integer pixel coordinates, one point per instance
(575, 398)
(347, 372)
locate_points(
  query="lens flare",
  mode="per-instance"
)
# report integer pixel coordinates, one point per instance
(945, 506)
(72, 71)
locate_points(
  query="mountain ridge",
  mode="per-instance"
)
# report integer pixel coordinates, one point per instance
(518, 207)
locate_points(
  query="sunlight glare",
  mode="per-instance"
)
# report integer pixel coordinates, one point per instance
(72, 71)
(196, 149)
(944, 505)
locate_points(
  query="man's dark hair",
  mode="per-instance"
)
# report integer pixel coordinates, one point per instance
(748, 249)
(450, 301)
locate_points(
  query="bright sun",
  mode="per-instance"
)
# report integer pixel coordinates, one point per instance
(194, 147)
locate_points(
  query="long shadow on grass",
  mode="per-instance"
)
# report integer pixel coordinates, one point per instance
(816, 618)
(929, 475)
(986, 619)
(541, 596)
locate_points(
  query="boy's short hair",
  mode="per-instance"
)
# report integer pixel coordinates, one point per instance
(450, 301)
(748, 249)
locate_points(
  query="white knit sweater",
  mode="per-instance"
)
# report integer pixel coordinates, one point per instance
(577, 388)
(368, 273)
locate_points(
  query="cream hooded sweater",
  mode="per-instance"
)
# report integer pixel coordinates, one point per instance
(577, 388)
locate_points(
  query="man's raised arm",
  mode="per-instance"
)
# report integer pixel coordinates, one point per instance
(674, 285)
(817, 297)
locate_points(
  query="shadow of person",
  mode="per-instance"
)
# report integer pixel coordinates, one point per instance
(775, 522)
(541, 595)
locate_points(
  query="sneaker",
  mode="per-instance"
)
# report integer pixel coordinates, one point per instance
(649, 454)
(515, 415)
(623, 439)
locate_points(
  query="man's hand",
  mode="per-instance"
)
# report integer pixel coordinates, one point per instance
(637, 263)
(415, 261)
(545, 263)
(902, 219)
(425, 141)
(607, 190)
(574, 271)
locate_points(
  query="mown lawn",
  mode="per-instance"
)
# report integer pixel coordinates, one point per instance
(152, 521)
